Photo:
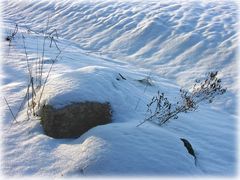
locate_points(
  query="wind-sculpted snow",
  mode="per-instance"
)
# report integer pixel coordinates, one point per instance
(109, 51)
(181, 41)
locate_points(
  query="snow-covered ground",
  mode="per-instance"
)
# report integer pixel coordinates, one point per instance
(172, 43)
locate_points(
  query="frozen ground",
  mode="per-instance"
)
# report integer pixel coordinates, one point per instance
(174, 43)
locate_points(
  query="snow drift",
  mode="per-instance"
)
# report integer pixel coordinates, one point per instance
(172, 43)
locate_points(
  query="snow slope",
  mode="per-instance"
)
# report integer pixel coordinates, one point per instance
(174, 43)
(179, 40)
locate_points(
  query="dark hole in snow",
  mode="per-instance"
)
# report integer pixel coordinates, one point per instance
(73, 120)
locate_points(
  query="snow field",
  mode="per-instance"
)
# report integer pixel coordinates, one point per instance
(173, 43)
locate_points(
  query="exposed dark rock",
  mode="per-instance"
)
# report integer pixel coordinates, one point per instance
(189, 148)
(75, 119)
(8, 38)
(120, 77)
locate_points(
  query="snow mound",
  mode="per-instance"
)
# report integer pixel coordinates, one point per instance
(123, 149)
(98, 84)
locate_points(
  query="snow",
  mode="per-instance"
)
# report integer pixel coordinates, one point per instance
(172, 43)
(139, 141)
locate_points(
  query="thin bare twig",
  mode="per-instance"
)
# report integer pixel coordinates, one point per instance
(50, 69)
(28, 64)
(10, 109)
(43, 52)
(139, 99)
(22, 103)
